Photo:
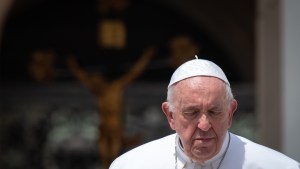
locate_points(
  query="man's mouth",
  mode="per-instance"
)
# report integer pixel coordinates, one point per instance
(204, 140)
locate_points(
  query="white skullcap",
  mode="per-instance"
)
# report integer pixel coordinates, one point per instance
(197, 67)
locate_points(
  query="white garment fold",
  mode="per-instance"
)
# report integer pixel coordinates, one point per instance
(242, 154)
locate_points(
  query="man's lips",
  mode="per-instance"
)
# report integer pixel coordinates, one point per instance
(207, 139)
(204, 138)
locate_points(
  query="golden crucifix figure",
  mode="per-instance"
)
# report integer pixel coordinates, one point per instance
(110, 103)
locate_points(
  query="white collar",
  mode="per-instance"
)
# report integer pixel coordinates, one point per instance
(184, 160)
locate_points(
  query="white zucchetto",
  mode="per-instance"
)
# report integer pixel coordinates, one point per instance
(197, 67)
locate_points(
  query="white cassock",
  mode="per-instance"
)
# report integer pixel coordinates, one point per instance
(241, 154)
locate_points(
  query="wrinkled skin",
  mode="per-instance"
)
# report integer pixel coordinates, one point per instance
(201, 115)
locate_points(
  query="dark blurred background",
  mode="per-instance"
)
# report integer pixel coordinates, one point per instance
(50, 120)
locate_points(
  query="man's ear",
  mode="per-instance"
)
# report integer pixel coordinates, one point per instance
(170, 116)
(233, 108)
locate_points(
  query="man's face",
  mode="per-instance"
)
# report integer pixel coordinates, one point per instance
(202, 115)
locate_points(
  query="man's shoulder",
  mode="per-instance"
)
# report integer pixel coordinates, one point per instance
(254, 154)
(252, 146)
(155, 145)
(145, 154)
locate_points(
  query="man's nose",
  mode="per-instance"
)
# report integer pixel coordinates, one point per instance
(204, 123)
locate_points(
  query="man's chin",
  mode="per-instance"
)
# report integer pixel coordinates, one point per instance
(201, 154)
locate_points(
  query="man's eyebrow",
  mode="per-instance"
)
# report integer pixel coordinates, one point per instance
(190, 108)
(217, 107)
(213, 107)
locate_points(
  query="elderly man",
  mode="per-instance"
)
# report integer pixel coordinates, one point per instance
(200, 107)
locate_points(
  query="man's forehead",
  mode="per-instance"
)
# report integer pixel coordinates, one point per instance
(201, 103)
